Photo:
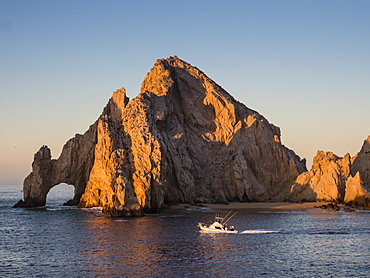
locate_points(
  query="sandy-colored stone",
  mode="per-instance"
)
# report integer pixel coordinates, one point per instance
(109, 185)
(237, 206)
(354, 188)
(361, 162)
(338, 179)
(358, 185)
(325, 181)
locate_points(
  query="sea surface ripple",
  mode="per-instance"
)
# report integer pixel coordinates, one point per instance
(58, 241)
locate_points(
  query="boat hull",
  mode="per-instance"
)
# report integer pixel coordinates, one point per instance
(206, 229)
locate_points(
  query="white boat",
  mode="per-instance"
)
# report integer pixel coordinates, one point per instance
(220, 225)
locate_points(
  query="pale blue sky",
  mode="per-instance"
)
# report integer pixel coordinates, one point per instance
(304, 65)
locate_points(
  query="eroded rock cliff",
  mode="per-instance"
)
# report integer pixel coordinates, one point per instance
(338, 179)
(182, 139)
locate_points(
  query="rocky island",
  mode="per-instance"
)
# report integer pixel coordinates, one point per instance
(184, 139)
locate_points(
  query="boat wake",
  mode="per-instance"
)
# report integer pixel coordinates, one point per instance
(258, 232)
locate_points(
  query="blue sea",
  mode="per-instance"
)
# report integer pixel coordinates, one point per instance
(59, 241)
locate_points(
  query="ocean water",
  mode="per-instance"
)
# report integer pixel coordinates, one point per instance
(58, 241)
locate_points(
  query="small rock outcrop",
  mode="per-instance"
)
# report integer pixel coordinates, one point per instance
(330, 206)
(336, 179)
(325, 181)
(183, 139)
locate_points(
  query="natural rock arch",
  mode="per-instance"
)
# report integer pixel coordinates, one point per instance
(72, 167)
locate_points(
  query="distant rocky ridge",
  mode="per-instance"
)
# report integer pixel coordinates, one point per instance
(184, 139)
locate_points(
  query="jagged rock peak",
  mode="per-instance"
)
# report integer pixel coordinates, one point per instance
(182, 139)
(164, 68)
(116, 104)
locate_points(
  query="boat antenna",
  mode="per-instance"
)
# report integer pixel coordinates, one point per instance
(230, 217)
(224, 218)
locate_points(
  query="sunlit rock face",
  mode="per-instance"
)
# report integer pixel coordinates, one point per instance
(338, 179)
(325, 181)
(182, 139)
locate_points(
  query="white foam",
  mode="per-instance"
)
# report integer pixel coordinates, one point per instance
(258, 232)
(93, 209)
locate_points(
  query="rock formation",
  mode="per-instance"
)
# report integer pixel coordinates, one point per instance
(72, 167)
(183, 139)
(338, 179)
(325, 181)
(358, 185)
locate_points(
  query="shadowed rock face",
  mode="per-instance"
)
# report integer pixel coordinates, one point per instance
(333, 178)
(358, 185)
(182, 139)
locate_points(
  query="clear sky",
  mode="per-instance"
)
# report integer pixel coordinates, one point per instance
(304, 65)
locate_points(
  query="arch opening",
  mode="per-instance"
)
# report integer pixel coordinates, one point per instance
(60, 194)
